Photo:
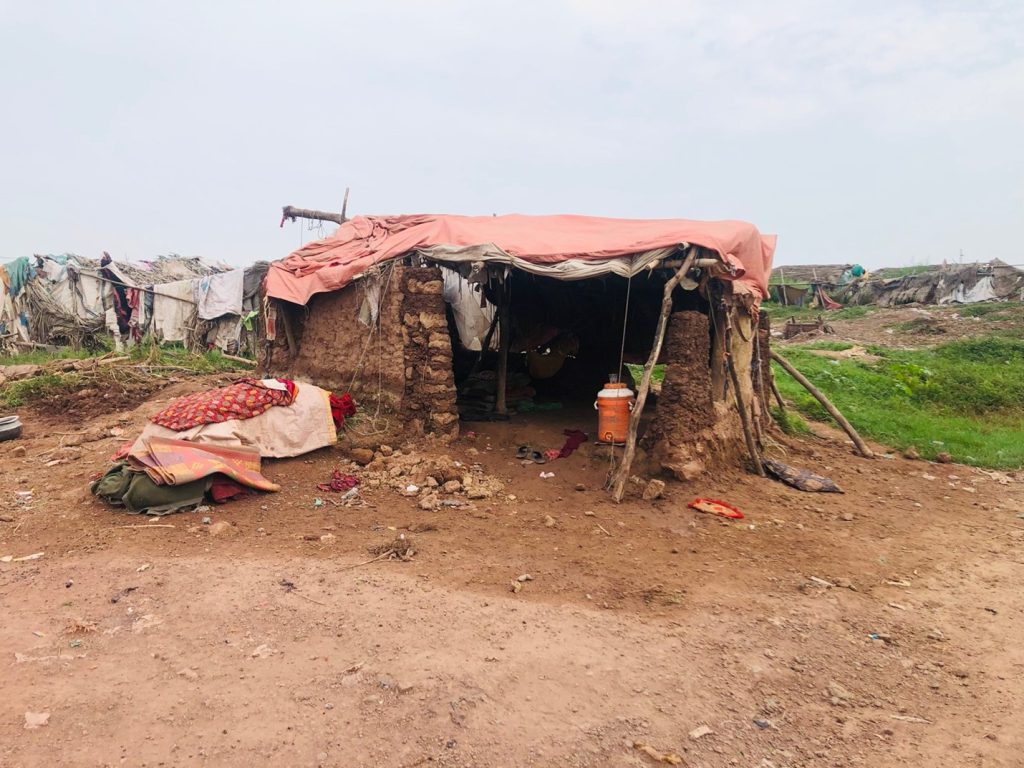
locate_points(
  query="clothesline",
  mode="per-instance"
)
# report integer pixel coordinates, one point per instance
(126, 285)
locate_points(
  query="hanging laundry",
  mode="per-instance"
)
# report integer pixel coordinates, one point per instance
(122, 307)
(220, 294)
(242, 400)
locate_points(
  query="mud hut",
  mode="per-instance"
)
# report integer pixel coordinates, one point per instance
(429, 320)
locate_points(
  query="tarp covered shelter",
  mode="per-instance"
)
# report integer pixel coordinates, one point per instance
(566, 247)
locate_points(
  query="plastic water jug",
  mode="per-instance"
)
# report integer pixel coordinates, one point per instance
(613, 405)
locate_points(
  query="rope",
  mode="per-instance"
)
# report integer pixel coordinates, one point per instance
(625, 323)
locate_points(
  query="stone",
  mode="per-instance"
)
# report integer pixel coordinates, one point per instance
(911, 453)
(36, 720)
(220, 527)
(188, 673)
(687, 471)
(452, 486)
(654, 490)
(944, 458)
(430, 502)
(549, 521)
(361, 456)
(838, 693)
(386, 450)
(18, 452)
(431, 482)
(479, 492)
(431, 320)
(846, 517)
(700, 732)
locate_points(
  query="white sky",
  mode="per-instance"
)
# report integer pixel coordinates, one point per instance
(887, 133)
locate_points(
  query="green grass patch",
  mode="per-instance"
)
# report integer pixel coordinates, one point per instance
(17, 393)
(790, 422)
(966, 397)
(981, 310)
(832, 346)
(780, 313)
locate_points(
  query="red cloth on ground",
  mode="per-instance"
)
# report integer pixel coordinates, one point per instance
(242, 400)
(574, 439)
(222, 490)
(341, 407)
(339, 482)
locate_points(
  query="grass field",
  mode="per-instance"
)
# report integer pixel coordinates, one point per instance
(965, 398)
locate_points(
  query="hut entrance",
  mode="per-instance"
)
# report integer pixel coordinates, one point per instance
(566, 338)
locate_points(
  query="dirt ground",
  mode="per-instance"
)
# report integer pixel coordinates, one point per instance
(874, 628)
(912, 326)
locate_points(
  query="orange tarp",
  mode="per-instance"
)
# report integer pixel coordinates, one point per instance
(333, 262)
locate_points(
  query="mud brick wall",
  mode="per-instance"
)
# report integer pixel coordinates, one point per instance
(406, 369)
(691, 431)
(428, 398)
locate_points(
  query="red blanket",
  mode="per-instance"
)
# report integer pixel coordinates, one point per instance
(242, 400)
(176, 462)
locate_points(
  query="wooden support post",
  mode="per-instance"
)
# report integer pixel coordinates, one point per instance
(861, 446)
(500, 406)
(778, 395)
(622, 473)
(748, 435)
(289, 332)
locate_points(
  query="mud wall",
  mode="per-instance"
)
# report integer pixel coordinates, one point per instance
(692, 430)
(402, 375)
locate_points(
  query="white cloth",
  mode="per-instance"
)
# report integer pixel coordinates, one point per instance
(172, 306)
(471, 321)
(220, 294)
(283, 430)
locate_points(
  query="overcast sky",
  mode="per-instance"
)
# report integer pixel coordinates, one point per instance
(887, 133)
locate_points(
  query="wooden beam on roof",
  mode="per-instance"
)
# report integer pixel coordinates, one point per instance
(293, 213)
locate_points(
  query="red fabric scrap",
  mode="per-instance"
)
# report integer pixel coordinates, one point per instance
(574, 439)
(242, 400)
(715, 507)
(341, 407)
(339, 482)
(222, 489)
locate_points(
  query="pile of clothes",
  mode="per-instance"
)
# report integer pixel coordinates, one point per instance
(208, 446)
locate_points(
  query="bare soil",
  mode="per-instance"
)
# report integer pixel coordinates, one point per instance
(913, 326)
(874, 628)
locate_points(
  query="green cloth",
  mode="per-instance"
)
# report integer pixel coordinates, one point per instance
(138, 494)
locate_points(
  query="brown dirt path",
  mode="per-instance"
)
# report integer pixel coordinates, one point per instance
(643, 621)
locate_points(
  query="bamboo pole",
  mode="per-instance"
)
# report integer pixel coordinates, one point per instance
(861, 446)
(622, 473)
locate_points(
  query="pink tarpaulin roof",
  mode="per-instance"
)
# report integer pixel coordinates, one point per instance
(590, 242)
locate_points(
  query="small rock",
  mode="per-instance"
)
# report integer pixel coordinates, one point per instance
(221, 526)
(361, 456)
(846, 517)
(763, 724)
(36, 720)
(405, 687)
(911, 453)
(429, 502)
(588, 513)
(580, 487)
(452, 486)
(961, 673)
(188, 674)
(525, 577)
(262, 652)
(515, 587)
(206, 521)
(18, 452)
(944, 458)
(936, 634)
(327, 538)
(431, 482)
(549, 521)
(386, 450)
(838, 693)
(700, 732)
(654, 490)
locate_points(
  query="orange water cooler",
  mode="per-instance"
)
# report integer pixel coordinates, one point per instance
(614, 404)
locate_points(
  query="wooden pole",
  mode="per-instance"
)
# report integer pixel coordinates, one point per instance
(778, 395)
(344, 206)
(748, 435)
(289, 331)
(486, 345)
(293, 213)
(500, 406)
(861, 446)
(622, 473)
